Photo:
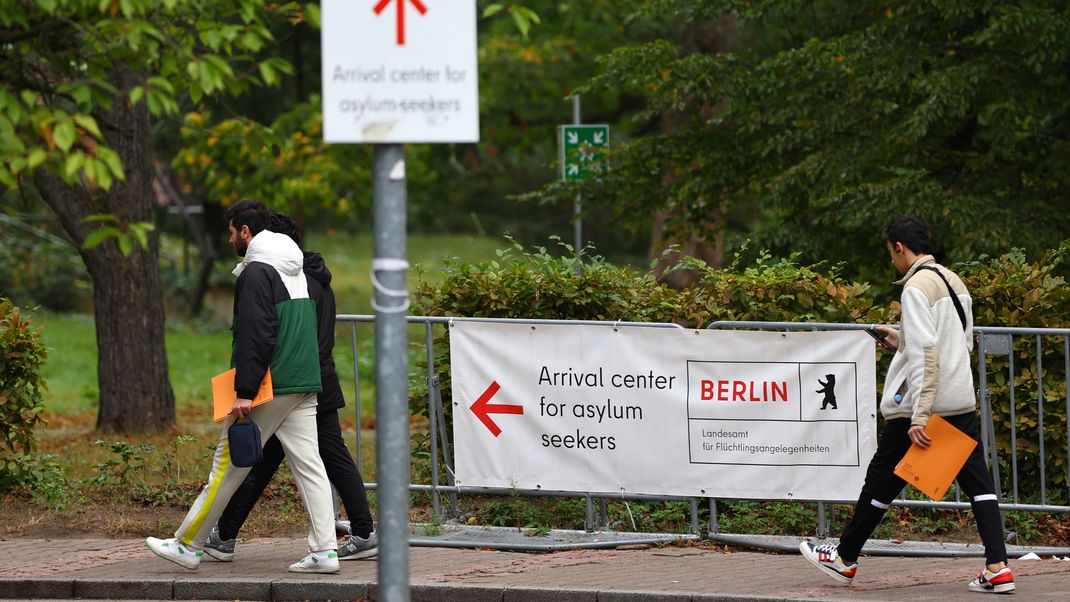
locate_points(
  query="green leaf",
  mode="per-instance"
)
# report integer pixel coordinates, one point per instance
(161, 83)
(64, 134)
(522, 22)
(72, 165)
(195, 92)
(98, 172)
(529, 14)
(252, 41)
(98, 236)
(36, 157)
(100, 217)
(492, 10)
(112, 160)
(268, 74)
(140, 231)
(312, 15)
(81, 93)
(126, 245)
(89, 169)
(89, 124)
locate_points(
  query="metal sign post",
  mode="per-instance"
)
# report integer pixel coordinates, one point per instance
(581, 151)
(391, 369)
(396, 72)
(577, 207)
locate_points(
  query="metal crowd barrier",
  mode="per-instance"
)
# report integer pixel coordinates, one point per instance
(596, 515)
(991, 341)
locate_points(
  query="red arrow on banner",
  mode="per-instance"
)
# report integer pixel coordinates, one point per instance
(483, 410)
(379, 8)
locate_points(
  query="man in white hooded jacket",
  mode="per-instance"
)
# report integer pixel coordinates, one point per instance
(929, 374)
(274, 327)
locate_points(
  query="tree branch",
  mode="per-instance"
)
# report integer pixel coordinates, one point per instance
(71, 204)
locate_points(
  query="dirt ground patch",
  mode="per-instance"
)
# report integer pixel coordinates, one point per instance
(99, 518)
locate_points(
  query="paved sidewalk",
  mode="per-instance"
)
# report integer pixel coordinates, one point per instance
(117, 569)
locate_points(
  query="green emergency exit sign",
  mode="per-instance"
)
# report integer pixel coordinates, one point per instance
(582, 149)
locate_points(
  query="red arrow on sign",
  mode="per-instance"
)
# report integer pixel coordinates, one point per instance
(483, 410)
(379, 8)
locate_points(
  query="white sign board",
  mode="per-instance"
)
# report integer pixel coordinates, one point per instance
(728, 414)
(400, 71)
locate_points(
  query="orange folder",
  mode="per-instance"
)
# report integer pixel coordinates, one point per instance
(223, 394)
(932, 470)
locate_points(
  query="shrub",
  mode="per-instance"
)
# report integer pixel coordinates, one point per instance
(41, 477)
(21, 356)
(777, 290)
(1009, 291)
(538, 284)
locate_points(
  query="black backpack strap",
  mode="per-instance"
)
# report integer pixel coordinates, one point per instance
(954, 297)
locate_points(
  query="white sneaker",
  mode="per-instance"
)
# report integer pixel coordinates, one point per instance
(177, 552)
(317, 562)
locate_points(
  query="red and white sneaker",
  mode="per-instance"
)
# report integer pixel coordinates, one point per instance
(826, 558)
(1000, 582)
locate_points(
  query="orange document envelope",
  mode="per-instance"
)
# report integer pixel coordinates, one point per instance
(223, 395)
(932, 470)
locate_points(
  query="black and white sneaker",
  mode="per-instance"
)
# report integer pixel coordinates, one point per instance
(357, 547)
(218, 548)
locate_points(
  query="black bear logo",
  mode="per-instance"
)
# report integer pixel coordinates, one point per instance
(829, 389)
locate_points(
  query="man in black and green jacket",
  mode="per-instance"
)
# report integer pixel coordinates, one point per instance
(362, 542)
(274, 327)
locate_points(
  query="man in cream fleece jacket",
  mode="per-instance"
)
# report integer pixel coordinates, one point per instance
(929, 374)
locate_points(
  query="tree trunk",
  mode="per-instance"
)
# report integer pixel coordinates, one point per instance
(708, 245)
(135, 390)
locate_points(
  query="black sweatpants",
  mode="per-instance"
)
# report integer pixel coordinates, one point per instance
(882, 486)
(341, 471)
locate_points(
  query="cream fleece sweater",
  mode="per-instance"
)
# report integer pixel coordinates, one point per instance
(932, 366)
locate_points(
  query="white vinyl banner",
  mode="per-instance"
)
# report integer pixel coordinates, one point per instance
(727, 414)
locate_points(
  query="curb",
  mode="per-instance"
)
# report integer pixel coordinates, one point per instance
(297, 589)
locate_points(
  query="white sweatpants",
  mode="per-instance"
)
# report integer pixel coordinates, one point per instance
(293, 419)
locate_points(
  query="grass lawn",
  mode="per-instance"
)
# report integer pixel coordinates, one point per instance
(193, 354)
(349, 259)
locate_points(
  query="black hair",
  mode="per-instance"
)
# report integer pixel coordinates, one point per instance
(284, 224)
(248, 212)
(911, 231)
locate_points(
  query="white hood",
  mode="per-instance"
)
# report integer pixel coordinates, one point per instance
(282, 253)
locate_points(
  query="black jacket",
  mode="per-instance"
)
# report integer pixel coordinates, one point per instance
(274, 320)
(319, 288)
